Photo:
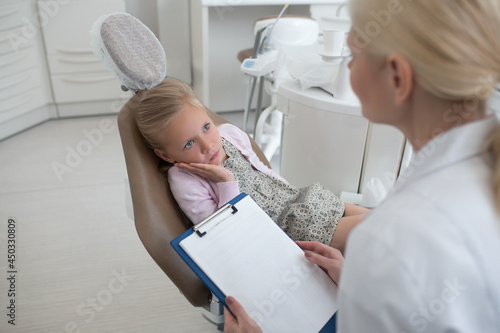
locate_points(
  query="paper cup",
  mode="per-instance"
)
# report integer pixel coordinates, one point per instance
(333, 41)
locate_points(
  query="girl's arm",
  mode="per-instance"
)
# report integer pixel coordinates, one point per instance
(199, 197)
(241, 141)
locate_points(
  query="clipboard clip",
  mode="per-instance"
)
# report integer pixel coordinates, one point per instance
(213, 217)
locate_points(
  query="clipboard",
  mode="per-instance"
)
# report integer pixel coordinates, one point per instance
(240, 251)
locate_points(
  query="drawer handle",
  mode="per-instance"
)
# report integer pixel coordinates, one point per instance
(18, 100)
(79, 60)
(9, 12)
(74, 50)
(13, 58)
(92, 79)
(13, 80)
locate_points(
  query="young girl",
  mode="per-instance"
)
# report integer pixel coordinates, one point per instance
(212, 165)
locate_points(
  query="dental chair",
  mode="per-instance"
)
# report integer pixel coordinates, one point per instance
(132, 52)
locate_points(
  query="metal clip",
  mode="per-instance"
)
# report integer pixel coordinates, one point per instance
(213, 217)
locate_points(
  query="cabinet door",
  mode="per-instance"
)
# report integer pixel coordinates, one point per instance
(18, 61)
(322, 146)
(85, 87)
(74, 62)
(384, 149)
(77, 75)
(66, 34)
(24, 86)
(12, 41)
(494, 102)
(67, 30)
(14, 14)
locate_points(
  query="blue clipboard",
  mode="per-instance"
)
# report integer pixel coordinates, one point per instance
(330, 326)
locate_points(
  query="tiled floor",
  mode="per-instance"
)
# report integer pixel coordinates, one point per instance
(79, 264)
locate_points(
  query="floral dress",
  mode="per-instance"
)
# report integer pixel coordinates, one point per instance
(309, 214)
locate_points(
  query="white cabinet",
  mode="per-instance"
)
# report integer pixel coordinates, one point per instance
(77, 76)
(322, 146)
(327, 140)
(24, 88)
(494, 102)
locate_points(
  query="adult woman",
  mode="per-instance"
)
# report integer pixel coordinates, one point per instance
(424, 259)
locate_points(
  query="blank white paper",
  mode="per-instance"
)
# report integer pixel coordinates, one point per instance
(249, 257)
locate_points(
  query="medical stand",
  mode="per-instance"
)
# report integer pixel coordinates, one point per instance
(259, 67)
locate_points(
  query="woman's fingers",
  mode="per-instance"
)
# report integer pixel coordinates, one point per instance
(316, 247)
(239, 321)
(235, 307)
(230, 322)
(318, 259)
(326, 257)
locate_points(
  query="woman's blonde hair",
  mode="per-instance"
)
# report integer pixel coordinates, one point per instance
(453, 47)
(159, 105)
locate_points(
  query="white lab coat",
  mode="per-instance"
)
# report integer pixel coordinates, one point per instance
(426, 259)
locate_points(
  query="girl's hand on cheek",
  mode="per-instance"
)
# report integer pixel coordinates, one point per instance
(216, 173)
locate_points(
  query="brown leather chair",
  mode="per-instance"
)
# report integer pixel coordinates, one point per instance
(158, 218)
(119, 40)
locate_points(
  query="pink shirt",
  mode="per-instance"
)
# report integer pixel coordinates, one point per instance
(199, 197)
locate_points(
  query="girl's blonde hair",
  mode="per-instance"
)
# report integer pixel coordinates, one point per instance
(159, 105)
(453, 47)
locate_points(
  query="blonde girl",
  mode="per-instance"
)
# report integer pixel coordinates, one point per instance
(210, 166)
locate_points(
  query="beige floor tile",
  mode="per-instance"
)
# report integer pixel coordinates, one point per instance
(80, 264)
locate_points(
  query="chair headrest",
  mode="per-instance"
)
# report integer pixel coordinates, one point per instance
(130, 50)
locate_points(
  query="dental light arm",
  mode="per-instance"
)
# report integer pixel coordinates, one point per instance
(263, 60)
(267, 42)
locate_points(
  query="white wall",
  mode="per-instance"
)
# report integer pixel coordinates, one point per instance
(145, 11)
(169, 21)
(175, 36)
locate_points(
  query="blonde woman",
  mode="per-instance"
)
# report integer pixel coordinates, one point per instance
(426, 259)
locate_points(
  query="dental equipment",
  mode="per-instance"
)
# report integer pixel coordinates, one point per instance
(268, 39)
(262, 63)
(335, 51)
(341, 87)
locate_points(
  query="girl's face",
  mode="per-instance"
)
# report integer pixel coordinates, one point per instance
(191, 137)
